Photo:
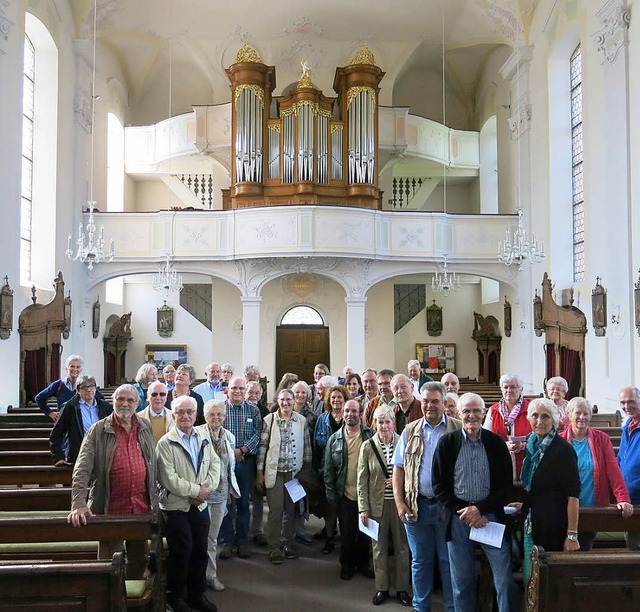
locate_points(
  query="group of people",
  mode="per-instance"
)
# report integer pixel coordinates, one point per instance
(426, 464)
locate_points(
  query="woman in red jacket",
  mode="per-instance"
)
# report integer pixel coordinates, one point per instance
(597, 464)
(508, 419)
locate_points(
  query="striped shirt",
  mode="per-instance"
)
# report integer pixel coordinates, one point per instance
(387, 453)
(471, 477)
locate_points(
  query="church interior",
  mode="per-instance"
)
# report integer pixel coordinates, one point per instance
(327, 182)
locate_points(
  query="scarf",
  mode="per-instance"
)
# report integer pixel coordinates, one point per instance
(219, 445)
(535, 451)
(510, 418)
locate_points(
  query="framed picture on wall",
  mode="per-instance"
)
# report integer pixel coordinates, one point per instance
(165, 321)
(164, 354)
(436, 358)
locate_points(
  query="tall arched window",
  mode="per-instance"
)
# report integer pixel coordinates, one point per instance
(39, 155)
(577, 157)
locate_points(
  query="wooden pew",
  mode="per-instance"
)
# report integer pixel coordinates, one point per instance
(27, 432)
(32, 500)
(24, 444)
(108, 530)
(588, 581)
(25, 457)
(47, 475)
(95, 586)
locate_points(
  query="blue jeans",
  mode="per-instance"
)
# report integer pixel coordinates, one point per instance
(427, 538)
(463, 568)
(246, 476)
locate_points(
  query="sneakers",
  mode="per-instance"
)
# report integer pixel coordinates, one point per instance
(225, 552)
(243, 551)
(290, 552)
(276, 556)
(215, 584)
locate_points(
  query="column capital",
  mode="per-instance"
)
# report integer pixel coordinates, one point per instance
(355, 301)
(251, 300)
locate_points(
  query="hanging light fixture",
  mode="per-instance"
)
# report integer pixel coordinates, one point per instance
(517, 248)
(167, 279)
(445, 281)
(93, 252)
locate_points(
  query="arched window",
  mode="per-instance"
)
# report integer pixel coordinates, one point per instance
(39, 155)
(302, 315)
(577, 157)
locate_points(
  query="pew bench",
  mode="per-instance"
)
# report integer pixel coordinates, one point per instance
(24, 444)
(25, 457)
(30, 500)
(46, 475)
(92, 586)
(589, 581)
(26, 432)
(48, 535)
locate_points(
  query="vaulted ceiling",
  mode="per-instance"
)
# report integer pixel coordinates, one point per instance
(202, 38)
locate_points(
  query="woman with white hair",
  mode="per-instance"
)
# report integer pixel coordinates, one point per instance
(451, 405)
(557, 389)
(552, 484)
(597, 464)
(223, 443)
(146, 374)
(508, 419)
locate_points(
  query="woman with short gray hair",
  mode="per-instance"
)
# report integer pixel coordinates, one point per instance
(223, 443)
(557, 389)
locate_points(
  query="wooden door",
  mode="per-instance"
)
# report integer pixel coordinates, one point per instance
(299, 348)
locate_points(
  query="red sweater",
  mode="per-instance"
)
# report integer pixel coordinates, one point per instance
(521, 427)
(606, 471)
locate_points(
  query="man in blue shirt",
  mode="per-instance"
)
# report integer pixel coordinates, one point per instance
(76, 417)
(211, 386)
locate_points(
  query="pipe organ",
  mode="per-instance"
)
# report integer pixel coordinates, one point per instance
(304, 147)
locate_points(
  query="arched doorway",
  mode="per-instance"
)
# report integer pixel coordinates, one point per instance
(302, 340)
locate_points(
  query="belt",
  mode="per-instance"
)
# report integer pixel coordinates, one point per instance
(429, 500)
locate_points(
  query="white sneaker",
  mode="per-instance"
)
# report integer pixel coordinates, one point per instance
(215, 584)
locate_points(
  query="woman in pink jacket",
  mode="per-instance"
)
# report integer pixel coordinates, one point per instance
(597, 464)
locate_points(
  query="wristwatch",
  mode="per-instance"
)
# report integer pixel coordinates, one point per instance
(572, 536)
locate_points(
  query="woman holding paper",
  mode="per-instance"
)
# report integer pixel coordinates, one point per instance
(552, 484)
(375, 501)
(285, 447)
(508, 419)
(597, 464)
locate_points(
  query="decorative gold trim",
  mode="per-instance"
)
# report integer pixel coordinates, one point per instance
(248, 54)
(296, 106)
(336, 128)
(354, 91)
(364, 56)
(257, 90)
(275, 127)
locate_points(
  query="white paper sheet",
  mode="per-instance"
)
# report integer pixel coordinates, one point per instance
(295, 489)
(491, 534)
(371, 528)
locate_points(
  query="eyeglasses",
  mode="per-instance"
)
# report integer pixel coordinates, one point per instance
(160, 393)
(184, 412)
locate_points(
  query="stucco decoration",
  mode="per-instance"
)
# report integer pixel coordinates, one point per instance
(615, 16)
(351, 273)
(5, 23)
(520, 121)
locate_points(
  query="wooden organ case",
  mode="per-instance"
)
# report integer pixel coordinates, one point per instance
(316, 150)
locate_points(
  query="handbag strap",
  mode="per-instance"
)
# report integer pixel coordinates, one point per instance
(383, 465)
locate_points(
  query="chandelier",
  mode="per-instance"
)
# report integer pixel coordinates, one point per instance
(517, 247)
(93, 251)
(167, 279)
(445, 281)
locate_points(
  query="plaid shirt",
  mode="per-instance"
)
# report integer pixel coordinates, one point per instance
(128, 474)
(245, 423)
(285, 454)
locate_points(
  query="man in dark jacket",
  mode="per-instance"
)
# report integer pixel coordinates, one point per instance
(340, 479)
(472, 478)
(76, 416)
